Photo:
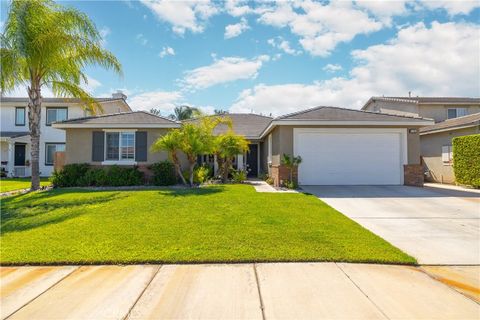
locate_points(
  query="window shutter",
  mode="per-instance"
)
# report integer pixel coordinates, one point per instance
(141, 146)
(98, 145)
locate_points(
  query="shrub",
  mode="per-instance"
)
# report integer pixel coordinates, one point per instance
(466, 160)
(238, 176)
(269, 180)
(70, 176)
(82, 175)
(163, 173)
(202, 174)
(290, 184)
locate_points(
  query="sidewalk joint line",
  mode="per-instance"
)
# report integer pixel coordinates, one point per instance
(141, 293)
(262, 306)
(41, 293)
(364, 293)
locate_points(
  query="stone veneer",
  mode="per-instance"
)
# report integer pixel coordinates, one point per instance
(413, 175)
(280, 173)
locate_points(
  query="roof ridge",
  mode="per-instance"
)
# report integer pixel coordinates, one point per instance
(298, 112)
(116, 114)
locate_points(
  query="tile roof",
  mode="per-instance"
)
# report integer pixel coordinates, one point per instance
(246, 124)
(133, 117)
(342, 114)
(54, 100)
(427, 100)
(452, 124)
(13, 134)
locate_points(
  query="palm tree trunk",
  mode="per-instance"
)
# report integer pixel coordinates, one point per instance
(192, 167)
(34, 115)
(226, 167)
(176, 164)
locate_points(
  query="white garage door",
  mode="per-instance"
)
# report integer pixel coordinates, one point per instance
(350, 156)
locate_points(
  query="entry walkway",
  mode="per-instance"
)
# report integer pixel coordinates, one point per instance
(239, 291)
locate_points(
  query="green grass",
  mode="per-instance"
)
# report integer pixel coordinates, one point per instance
(231, 223)
(11, 184)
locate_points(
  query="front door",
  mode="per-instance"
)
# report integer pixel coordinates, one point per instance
(252, 160)
(19, 154)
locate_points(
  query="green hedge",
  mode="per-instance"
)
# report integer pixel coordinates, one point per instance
(466, 160)
(83, 175)
(163, 173)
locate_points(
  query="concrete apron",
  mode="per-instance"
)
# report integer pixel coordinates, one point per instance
(239, 291)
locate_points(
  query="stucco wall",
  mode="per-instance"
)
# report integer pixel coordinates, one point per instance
(79, 146)
(431, 150)
(400, 108)
(439, 112)
(282, 142)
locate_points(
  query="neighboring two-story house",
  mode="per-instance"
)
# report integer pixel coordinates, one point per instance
(14, 131)
(453, 117)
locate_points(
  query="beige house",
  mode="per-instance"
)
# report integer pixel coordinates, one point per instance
(338, 146)
(453, 117)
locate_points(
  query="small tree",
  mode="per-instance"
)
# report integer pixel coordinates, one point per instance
(227, 146)
(171, 142)
(291, 162)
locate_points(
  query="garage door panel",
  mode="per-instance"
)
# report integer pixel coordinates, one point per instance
(350, 158)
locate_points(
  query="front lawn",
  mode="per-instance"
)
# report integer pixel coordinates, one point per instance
(11, 184)
(231, 223)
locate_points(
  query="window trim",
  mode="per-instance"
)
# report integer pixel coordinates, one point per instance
(24, 116)
(456, 111)
(52, 143)
(50, 108)
(119, 161)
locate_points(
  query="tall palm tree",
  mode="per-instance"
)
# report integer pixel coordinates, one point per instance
(172, 143)
(48, 45)
(184, 113)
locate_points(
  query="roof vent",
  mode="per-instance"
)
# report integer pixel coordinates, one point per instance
(119, 95)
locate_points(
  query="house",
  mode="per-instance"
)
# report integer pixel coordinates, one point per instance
(14, 130)
(338, 146)
(453, 116)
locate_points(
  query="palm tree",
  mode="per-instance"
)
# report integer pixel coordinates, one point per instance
(184, 113)
(291, 162)
(155, 111)
(171, 142)
(48, 45)
(228, 145)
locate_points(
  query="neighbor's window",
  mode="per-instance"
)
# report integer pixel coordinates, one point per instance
(56, 114)
(447, 155)
(20, 116)
(50, 149)
(120, 146)
(456, 112)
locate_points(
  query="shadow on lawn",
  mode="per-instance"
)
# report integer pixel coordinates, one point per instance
(19, 213)
(187, 192)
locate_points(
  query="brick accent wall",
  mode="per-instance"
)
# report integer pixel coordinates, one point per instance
(280, 173)
(413, 175)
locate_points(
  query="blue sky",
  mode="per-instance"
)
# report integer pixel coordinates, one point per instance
(270, 57)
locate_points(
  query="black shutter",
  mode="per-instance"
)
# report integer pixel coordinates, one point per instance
(141, 146)
(98, 145)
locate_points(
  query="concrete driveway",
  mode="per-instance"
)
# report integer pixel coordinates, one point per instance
(436, 226)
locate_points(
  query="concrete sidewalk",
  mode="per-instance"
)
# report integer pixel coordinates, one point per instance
(240, 291)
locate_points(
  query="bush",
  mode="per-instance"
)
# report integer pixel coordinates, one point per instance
(163, 173)
(466, 160)
(290, 184)
(238, 176)
(269, 180)
(82, 175)
(202, 174)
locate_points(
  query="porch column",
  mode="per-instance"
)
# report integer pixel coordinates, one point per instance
(240, 162)
(11, 158)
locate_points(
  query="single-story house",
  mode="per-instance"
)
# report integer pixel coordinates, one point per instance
(338, 146)
(436, 147)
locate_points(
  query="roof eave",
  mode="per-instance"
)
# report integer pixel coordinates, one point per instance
(115, 126)
(466, 126)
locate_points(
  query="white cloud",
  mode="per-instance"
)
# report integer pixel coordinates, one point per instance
(283, 45)
(166, 51)
(451, 6)
(91, 85)
(104, 33)
(234, 30)
(163, 100)
(321, 27)
(141, 39)
(225, 70)
(332, 68)
(183, 15)
(405, 63)
(384, 10)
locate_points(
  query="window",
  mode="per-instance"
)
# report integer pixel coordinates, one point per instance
(50, 149)
(20, 116)
(120, 146)
(56, 114)
(456, 112)
(447, 155)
